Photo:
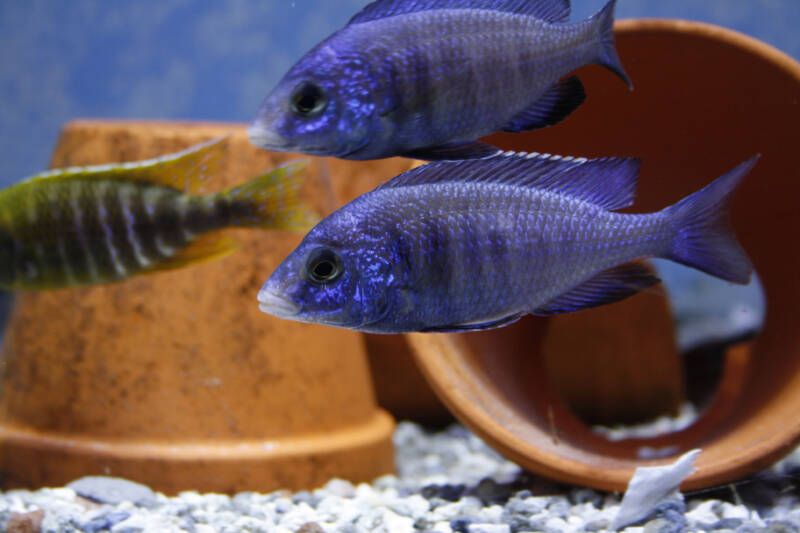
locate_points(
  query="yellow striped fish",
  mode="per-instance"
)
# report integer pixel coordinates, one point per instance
(104, 223)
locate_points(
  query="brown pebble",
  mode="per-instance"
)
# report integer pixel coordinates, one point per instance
(310, 527)
(25, 522)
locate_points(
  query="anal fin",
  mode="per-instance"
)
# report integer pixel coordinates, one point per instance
(475, 326)
(609, 286)
(551, 108)
(204, 248)
(454, 151)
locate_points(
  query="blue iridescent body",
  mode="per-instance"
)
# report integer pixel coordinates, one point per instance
(425, 78)
(470, 245)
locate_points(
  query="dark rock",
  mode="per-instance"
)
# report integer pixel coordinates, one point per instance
(113, 490)
(581, 496)
(451, 493)
(518, 523)
(460, 525)
(490, 491)
(105, 521)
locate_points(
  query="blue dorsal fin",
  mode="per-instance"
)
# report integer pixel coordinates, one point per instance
(607, 287)
(547, 10)
(609, 182)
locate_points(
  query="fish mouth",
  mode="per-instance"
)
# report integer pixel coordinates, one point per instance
(273, 304)
(266, 138)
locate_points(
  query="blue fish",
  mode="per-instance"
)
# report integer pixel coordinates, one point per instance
(425, 78)
(476, 244)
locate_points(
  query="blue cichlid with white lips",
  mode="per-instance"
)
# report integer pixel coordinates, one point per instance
(426, 78)
(472, 245)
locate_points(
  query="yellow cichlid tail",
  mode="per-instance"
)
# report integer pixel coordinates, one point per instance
(275, 200)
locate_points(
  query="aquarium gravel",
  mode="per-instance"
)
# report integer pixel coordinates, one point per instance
(447, 481)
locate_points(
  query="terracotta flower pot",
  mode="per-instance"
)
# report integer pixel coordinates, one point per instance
(705, 99)
(177, 379)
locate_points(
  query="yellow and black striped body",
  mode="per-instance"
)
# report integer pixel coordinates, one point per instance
(104, 223)
(76, 232)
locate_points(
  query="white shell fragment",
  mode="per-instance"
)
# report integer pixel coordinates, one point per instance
(651, 487)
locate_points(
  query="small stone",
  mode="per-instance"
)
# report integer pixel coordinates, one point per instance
(780, 526)
(30, 522)
(704, 512)
(304, 496)
(134, 524)
(727, 523)
(340, 487)
(105, 521)
(557, 524)
(414, 506)
(529, 506)
(727, 510)
(282, 505)
(597, 525)
(488, 528)
(490, 491)
(113, 490)
(661, 525)
(310, 527)
(583, 495)
(460, 524)
(451, 493)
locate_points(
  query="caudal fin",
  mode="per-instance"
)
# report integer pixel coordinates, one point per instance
(603, 20)
(272, 200)
(703, 236)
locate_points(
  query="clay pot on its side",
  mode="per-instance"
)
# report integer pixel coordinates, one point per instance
(177, 379)
(705, 100)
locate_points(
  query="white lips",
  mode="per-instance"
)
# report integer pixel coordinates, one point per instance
(279, 306)
(265, 138)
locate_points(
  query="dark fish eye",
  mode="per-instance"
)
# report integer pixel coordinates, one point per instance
(308, 99)
(324, 265)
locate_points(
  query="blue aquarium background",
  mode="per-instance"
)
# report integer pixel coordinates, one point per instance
(216, 60)
(203, 59)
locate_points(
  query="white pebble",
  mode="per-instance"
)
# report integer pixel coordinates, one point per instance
(704, 512)
(489, 528)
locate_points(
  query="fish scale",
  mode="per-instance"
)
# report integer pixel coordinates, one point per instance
(425, 79)
(471, 245)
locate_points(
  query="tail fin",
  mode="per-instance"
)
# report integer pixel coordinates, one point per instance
(704, 238)
(603, 20)
(272, 200)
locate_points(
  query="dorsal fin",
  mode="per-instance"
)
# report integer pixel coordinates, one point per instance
(187, 170)
(609, 182)
(547, 10)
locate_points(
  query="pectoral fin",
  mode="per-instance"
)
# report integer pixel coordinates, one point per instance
(475, 326)
(454, 151)
(607, 287)
(551, 108)
(204, 248)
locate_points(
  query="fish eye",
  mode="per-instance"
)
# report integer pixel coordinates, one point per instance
(308, 99)
(323, 266)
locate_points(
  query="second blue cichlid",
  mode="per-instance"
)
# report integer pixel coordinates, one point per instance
(472, 245)
(426, 78)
